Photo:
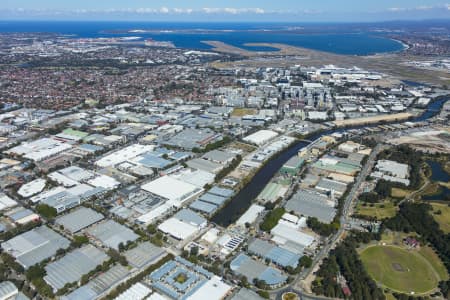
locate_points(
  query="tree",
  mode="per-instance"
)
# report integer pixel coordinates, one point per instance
(194, 251)
(46, 211)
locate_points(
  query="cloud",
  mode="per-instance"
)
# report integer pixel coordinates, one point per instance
(419, 8)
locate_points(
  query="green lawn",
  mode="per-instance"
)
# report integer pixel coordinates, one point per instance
(444, 217)
(380, 210)
(435, 261)
(399, 269)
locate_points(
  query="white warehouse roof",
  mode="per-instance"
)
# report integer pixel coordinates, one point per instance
(174, 190)
(261, 137)
(178, 229)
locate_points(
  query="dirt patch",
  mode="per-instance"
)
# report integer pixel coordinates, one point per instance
(398, 267)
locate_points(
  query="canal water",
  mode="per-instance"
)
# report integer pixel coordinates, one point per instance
(243, 199)
(438, 174)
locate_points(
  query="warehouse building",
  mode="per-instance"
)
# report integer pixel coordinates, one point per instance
(246, 294)
(79, 219)
(261, 137)
(34, 246)
(73, 266)
(143, 255)
(243, 265)
(40, 149)
(100, 284)
(292, 166)
(392, 171)
(291, 238)
(111, 234)
(310, 204)
(331, 186)
(277, 255)
(176, 192)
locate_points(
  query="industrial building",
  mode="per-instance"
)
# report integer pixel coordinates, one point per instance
(176, 192)
(100, 284)
(183, 224)
(34, 246)
(79, 219)
(143, 255)
(73, 265)
(111, 234)
(261, 137)
(291, 238)
(311, 204)
(292, 166)
(391, 171)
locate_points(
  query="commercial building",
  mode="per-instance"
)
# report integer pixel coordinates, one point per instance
(34, 246)
(275, 254)
(73, 266)
(181, 279)
(243, 265)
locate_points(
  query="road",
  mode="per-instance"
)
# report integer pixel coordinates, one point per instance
(332, 241)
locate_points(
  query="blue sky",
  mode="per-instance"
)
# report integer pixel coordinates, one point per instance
(231, 10)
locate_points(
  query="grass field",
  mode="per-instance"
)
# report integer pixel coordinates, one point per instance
(444, 217)
(380, 210)
(399, 193)
(239, 112)
(435, 261)
(399, 269)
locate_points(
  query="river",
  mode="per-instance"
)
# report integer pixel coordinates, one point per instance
(244, 198)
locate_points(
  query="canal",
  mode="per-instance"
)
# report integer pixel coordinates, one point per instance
(244, 198)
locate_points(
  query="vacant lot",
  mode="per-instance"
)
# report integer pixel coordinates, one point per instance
(400, 269)
(239, 112)
(379, 210)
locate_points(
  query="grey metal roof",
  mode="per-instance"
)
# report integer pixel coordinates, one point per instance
(79, 219)
(73, 266)
(204, 165)
(144, 254)
(219, 156)
(246, 294)
(310, 204)
(328, 184)
(6, 288)
(34, 246)
(221, 191)
(111, 233)
(214, 199)
(203, 206)
(188, 216)
(105, 280)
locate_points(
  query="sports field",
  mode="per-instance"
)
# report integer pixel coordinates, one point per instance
(399, 269)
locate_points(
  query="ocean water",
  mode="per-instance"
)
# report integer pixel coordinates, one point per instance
(333, 39)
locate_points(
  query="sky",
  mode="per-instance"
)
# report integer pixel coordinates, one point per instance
(221, 10)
